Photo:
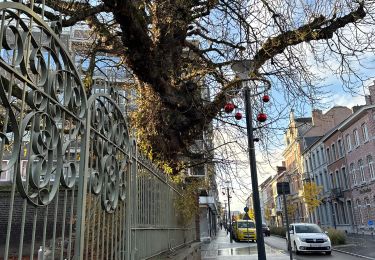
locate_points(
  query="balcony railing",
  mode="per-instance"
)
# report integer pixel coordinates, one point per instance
(337, 193)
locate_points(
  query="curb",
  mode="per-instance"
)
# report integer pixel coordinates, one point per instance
(353, 254)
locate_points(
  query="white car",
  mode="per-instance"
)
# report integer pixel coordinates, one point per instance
(305, 237)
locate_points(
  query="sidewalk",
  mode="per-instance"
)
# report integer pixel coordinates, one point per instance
(358, 245)
(220, 248)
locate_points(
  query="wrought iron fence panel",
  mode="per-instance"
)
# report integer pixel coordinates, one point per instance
(43, 108)
(158, 227)
(107, 164)
(72, 184)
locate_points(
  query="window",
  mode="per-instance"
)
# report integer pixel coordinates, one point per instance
(348, 143)
(340, 147)
(338, 179)
(328, 156)
(326, 180)
(352, 172)
(356, 137)
(322, 181)
(308, 229)
(313, 162)
(359, 206)
(332, 180)
(365, 132)
(361, 170)
(368, 208)
(307, 165)
(336, 213)
(371, 167)
(322, 153)
(199, 170)
(345, 178)
(333, 152)
(23, 169)
(4, 174)
(318, 158)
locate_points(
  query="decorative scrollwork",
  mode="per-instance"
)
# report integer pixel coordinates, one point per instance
(40, 91)
(51, 108)
(37, 57)
(110, 152)
(40, 182)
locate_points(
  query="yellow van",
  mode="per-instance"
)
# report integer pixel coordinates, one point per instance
(244, 230)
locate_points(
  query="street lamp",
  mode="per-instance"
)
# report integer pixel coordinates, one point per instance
(242, 69)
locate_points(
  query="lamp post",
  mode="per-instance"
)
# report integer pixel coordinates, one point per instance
(242, 69)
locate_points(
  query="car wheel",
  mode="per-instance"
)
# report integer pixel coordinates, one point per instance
(296, 249)
(329, 253)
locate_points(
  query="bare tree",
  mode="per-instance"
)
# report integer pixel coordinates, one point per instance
(178, 48)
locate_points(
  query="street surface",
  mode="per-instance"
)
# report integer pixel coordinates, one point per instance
(220, 248)
(280, 243)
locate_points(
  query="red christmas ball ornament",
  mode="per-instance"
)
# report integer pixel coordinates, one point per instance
(266, 98)
(262, 117)
(238, 116)
(228, 108)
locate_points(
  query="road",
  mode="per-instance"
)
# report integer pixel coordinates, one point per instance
(280, 243)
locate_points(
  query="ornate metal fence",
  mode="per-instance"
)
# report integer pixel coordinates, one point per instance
(71, 183)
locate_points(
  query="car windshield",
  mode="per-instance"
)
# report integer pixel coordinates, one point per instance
(308, 229)
(245, 225)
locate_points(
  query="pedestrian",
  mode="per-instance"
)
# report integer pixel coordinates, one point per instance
(221, 225)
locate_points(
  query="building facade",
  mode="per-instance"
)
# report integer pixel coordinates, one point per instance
(359, 134)
(301, 133)
(336, 151)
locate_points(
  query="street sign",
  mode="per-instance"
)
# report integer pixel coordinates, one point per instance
(246, 217)
(370, 222)
(283, 187)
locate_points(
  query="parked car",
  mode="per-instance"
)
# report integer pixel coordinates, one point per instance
(266, 230)
(244, 230)
(306, 237)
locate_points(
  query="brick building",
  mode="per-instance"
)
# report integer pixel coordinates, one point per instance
(359, 134)
(338, 183)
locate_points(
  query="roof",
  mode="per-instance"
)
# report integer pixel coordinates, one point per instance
(347, 122)
(302, 224)
(309, 141)
(303, 119)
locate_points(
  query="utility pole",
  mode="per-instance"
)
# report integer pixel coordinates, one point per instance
(287, 224)
(229, 217)
(254, 177)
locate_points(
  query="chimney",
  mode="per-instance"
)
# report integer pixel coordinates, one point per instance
(356, 108)
(372, 94)
(280, 169)
(316, 115)
(368, 100)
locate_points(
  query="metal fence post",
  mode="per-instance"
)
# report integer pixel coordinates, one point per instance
(131, 201)
(82, 188)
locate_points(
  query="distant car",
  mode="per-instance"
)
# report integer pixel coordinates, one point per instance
(244, 230)
(266, 230)
(305, 237)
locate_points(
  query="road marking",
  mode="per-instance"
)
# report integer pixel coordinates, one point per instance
(357, 255)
